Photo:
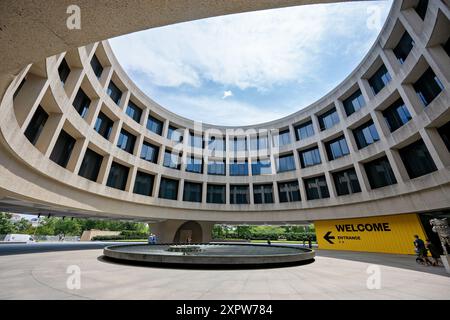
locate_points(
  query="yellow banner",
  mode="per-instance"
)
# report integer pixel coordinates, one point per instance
(387, 234)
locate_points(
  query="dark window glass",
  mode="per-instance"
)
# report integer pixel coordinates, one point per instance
(149, 152)
(328, 119)
(216, 193)
(263, 193)
(96, 66)
(239, 194)
(175, 134)
(336, 148)
(36, 125)
(428, 87)
(396, 115)
(195, 141)
(379, 173)
(289, 191)
(194, 165)
(90, 167)
(261, 167)
(354, 102)
(126, 141)
(81, 103)
(309, 157)
(421, 8)
(168, 189)
(63, 149)
(444, 131)
(417, 159)
(63, 71)
(404, 47)
(380, 79)
(134, 112)
(304, 130)
(283, 138)
(172, 160)
(316, 188)
(192, 192)
(103, 125)
(154, 125)
(216, 167)
(239, 168)
(259, 143)
(366, 134)
(346, 182)
(114, 92)
(118, 176)
(446, 46)
(143, 183)
(285, 163)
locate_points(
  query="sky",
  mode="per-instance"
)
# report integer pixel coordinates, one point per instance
(250, 68)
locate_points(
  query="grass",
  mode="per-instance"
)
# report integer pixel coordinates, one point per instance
(281, 241)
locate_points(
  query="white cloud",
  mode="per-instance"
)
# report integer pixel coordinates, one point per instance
(227, 94)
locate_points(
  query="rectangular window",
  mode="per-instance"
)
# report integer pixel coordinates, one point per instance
(366, 134)
(336, 148)
(259, 143)
(63, 71)
(404, 47)
(63, 149)
(285, 163)
(444, 132)
(421, 8)
(126, 141)
(175, 134)
(328, 119)
(216, 145)
(263, 193)
(239, 194)
(428, 87)
(118, 176)
(354, 103)
(216, 167)
(195, 141)
(143, 183)
(81, 103)
(154, 125)
(172, 160)
(346, 182)
(316, 188)
(289, 191)
(216, 193)
(96, 66)
(36, 125)
(261, 167)
(103, 125)
(417, 159)
(396, 115)
(134, 112)
(239, 168)
(380, 79)
(239, 144)
(304, 130)
(192, 192)
(379, 173)
(149, 152)
(90, 167)
(168, 189)
(309, 157)
(194, 165)
(114, 92)
(282, 138)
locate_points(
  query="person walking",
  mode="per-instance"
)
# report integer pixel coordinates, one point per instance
(421, 250)
(434, 251)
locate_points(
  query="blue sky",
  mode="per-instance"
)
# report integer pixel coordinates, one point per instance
(252, 67)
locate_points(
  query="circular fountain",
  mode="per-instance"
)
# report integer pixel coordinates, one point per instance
(211, 254)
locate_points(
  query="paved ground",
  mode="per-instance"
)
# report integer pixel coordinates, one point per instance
(334, 275)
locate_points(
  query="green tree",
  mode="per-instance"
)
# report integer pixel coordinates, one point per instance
(22, 226)
(6, 226)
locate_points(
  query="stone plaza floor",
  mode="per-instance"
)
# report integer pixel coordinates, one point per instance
(333, 275)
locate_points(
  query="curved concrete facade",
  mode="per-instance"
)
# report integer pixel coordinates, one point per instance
(31, 182)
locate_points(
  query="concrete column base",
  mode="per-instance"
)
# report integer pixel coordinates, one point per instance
(446, 262)
(178, 231)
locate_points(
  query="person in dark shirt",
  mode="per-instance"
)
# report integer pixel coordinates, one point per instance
(435, 253)
(421, 250)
